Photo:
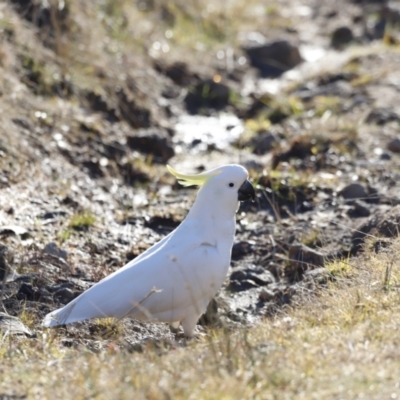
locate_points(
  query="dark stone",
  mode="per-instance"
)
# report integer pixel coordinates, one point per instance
(299, 147)
(359, 209)
(263, 143)
(178, 72)
(382, 224)
(94, 169)
(23, 123)
(266, 295)
(240, 249)
(52, 249)
(131, 174)
(65, 295)
(99, 104)
(137, 116)
(207, 94)
(170, 92)
(239, 286)
(354, 191)
(14, 230)
(273, 59)
(394, 145)
(250, 278)
(382, 244)
(28, 292)
(341, 37)
(153, 141)
(59, 286)
(159, 223)
(69, 201)
(339, 88)
(318, 275)
(301, 259)
(54, 214)
(275, 269)
(381, 116)
(34, 285)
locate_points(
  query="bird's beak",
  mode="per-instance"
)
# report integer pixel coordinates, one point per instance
(246, 192)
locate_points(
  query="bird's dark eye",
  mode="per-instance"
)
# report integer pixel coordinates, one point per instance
(231, 184)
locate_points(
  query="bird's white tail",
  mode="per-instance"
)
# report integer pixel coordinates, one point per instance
(59, 317)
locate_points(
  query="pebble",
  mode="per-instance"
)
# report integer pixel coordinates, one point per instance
(341, 37)
(394, 145)
(274, 58)
(52, 249)
(13, 326)
(354, 191)
(302, 258)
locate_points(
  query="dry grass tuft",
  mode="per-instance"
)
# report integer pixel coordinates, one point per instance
(341, 343)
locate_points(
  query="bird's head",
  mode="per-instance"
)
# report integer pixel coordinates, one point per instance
(226, 185)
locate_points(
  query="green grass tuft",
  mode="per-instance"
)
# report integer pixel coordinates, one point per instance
(82, 221)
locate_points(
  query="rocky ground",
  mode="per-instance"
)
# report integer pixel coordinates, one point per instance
(94, 101)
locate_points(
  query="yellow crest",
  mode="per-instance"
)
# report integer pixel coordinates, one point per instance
(193, 180)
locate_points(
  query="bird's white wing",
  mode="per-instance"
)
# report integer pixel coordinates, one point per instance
(183, 274)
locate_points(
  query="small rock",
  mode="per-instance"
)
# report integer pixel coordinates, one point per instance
(54, 214)
(241, 285)
(30, 293)
(240, 249)
(65, 295)
(133, 113)
(99, 103)
(52, 249)
(14, 230)
(263, 143)
(302, 258)
(152, 141)
(318, 275)
(250, 278)
(341, 37)
(178, 72)
(273, 59)
(382, 245)
(207, 94)
(13, 326)
(266, 295)
(162, 223)
(381, 116)
(131, 173)
(384, 223)
(59, 286)
(354, 191)
(359, 209)
(339, 88)
(394, 145)
(94, 168)
(300, 147)
(275, 269)
(26, 292)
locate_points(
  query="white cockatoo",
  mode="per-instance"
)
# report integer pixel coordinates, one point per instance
(175, 279)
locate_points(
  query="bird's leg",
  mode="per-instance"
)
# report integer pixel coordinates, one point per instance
(174, 326)
(189, 324)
